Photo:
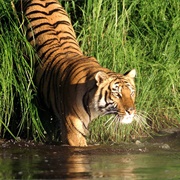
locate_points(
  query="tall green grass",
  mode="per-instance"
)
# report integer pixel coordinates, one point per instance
(122, 35)
(18, 114)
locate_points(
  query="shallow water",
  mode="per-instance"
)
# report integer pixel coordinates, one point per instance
(157, 159)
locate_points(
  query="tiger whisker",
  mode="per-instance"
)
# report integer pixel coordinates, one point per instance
(141, 119)
(112, 121)
(108, 120)
(110, 124)
(107, 113)
(117, 123)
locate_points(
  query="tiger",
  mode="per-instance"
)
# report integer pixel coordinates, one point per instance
(75, 87)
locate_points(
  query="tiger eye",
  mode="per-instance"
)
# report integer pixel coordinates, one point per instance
(116, 94)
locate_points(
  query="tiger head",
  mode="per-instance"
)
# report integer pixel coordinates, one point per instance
(115, 94)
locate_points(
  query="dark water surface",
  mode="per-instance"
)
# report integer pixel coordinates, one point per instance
(158, 158)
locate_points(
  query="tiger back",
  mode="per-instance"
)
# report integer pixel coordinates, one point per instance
(76, 88)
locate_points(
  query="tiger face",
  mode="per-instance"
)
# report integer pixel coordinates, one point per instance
(115, 95)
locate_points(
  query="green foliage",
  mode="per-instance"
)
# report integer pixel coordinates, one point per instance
(122, 35)
(18, 115)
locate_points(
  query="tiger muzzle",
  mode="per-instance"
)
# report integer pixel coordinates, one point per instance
(131, 111)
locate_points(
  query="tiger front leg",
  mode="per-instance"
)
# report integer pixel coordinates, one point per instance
(76, 132)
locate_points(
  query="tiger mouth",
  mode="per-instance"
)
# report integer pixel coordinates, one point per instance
(121, 118)
(118, 119)
(127, 119)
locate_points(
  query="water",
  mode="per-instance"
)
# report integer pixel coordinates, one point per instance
(151, 160)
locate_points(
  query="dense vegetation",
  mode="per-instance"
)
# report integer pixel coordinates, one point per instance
(122, 35)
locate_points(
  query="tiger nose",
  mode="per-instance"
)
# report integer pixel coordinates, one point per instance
(130, 110)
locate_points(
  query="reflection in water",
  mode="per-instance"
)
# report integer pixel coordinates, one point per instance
(71, 166)
(34, 163)
(56, 162)
(114, 166)
(140, 166)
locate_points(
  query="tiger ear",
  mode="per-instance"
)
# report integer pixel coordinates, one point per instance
(100, 77)
(131, 74)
